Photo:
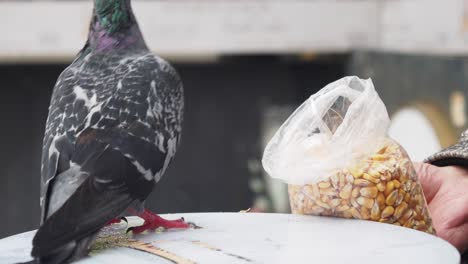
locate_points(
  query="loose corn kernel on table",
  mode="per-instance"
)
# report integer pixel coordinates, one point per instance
(258, 238)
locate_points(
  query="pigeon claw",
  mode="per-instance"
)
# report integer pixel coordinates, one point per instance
(130, 229)
(154, 221)
(194, 226)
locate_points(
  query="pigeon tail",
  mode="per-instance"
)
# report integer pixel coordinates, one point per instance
(65, 254)
(66, 235)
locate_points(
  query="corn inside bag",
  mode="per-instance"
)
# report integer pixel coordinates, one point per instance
(336, 157)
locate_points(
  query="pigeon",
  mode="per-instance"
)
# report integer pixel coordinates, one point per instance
(113, 127)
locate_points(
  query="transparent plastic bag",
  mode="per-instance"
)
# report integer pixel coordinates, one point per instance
(335, 154)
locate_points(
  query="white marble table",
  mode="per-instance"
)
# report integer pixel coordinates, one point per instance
(264, 238)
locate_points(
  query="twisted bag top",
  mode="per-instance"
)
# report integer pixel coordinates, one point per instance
(335, 127)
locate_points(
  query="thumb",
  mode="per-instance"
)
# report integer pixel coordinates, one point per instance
(429, 177)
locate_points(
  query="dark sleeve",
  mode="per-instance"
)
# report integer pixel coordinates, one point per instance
(454, 155)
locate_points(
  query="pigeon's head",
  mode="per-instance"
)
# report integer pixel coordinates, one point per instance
(114, 27)
(113, 15)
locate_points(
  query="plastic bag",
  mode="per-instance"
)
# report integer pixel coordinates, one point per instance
(335, 154)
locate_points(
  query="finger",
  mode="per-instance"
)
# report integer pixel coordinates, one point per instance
(458, 237)
(430, 179)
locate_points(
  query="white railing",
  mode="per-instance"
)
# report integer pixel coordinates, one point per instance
(185, 28)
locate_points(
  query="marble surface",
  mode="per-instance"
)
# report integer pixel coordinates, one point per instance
(261, 238)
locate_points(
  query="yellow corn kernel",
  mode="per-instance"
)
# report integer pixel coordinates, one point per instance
(379, 157)
(366, 202)
(322, 204)
(349, 179)
(345, 193)
(381, 186)
(407, 197)
(391, 198)
(369, 192)
(375, 212)
(347, 214)
(327, 191)
(374, 173)
(370, 178)
(334, 203)
(317, 209)
(355, 213)
(400, 209)
(387, 212)
(361, 182)
(342, 180)
(389, 188)
(357, 173)
(355, 192)
(409, 223)
(342, 208)
(396, 183)
(365, 213)
(406, 216)
(380, 199)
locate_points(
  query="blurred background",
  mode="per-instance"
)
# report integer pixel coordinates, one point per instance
(246, 66)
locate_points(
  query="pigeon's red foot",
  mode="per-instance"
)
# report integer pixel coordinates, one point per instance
(154, 221)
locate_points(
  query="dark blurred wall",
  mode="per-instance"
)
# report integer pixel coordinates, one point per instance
(224, 102)
(24, 101)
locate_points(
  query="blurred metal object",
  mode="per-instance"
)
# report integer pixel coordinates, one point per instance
(458, 108)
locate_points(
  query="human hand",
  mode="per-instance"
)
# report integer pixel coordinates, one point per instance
(446, 191)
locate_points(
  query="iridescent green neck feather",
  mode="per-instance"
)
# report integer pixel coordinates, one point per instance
(113, 15)
(114, 27)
